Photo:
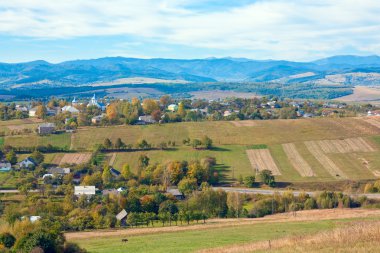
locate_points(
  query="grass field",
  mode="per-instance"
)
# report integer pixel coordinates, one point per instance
(200, 237)
(347, 147)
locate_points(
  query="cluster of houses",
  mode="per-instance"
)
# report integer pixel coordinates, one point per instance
(28, 162)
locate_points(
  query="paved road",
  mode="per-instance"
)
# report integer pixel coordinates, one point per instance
(296, 193)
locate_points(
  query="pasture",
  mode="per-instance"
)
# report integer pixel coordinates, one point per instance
(220, 233)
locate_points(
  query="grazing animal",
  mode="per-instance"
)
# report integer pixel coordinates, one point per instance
(124, 240)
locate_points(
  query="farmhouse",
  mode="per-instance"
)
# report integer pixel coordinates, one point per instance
(175, 192)
(110, 191)
(122, 217)
(84, 190)
(46, 128)
(69, 108)
(173, 107)
(115, 172)
(147, 119)
(97, 119)
(27, 163)
(5, 166)
(32, 112)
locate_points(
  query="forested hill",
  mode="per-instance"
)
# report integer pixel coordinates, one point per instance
(343, 70)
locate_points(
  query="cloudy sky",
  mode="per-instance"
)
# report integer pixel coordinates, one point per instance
(299, 30)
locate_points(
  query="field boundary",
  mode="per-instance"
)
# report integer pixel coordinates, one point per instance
(262, 159)
(297, 160)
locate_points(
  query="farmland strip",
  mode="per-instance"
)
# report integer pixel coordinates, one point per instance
(297, 161)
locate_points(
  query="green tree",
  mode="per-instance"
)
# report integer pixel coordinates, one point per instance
(187, 185)
(11, 157)
(267, 178)
(7, 239)
(181, 109)
(126, 172)
(249, 181)
(207, 142)
(107, 143)
(37, 156)
(119, 144)
(106, 175)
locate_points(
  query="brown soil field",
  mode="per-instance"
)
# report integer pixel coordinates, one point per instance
(324, 160)
(75, 158)
(307, 215)
(297, 161)
(244, 123)
(262, 159)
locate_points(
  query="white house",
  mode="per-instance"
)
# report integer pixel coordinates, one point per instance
(173, 107)
(69, 108)
(32, 112)
(27, 163)
(5, 166)
(84, 190)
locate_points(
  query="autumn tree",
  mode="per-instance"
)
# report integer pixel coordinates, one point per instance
(41, 112)
(149, 106)
(111, 112)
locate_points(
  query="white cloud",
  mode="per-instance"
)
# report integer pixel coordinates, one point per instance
(300, 29)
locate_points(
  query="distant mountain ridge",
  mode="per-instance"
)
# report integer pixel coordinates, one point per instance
(345, 69)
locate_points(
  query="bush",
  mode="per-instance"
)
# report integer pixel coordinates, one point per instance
(7, 240)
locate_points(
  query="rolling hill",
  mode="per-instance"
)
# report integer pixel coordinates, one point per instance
(340, 70)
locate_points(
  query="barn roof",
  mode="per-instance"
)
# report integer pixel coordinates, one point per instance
(121, 215)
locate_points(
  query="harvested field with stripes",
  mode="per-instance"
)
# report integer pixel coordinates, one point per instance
(345, 146)
(324, 160)
(74, 158)
(373, 122)
(262, 160)
(297, 161)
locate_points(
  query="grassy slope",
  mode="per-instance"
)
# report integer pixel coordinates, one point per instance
(189, 241)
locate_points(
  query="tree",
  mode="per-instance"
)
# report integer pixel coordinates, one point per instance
(41, 112)
(196, 143)
(126, 172)
(235, 203)
(119, 143)
(11, 157)
(207, 142)
(267, 178)
(48, 241)
(7, 239)
(107, 143)
(187, 185)
(106, 175)
(156, 115)
(37, 156)
(111, 112)
(249, 181)
(181, 109)
(143, 161)
(149, 106)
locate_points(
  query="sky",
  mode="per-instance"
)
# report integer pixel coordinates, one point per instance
(299, 30)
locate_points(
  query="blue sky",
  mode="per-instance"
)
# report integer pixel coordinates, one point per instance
(299, 30)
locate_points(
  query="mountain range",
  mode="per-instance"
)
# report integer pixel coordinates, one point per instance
(348, 70)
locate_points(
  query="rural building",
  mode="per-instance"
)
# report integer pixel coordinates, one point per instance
(21, 108)
(173, 107)
(227, 113)
(70, 109)
(94, 102)
(74, 102)
(176, 193)
(47, 175)
(147, 119)
(84, 190)
(97, 119)
(27, 163)
(122, 217)
(52, 111)
(32, 112)
(110, 191)
(5, 166)
(59, 171)
(115, 172)
(46, 128)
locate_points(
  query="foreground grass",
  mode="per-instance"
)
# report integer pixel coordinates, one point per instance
(190, 241)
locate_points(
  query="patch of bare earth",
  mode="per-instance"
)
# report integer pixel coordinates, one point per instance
(75, 158)
(297, 161)
(307, 215)
(373, 121)
(261, 159)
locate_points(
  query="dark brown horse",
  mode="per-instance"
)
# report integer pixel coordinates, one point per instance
(124, 240)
